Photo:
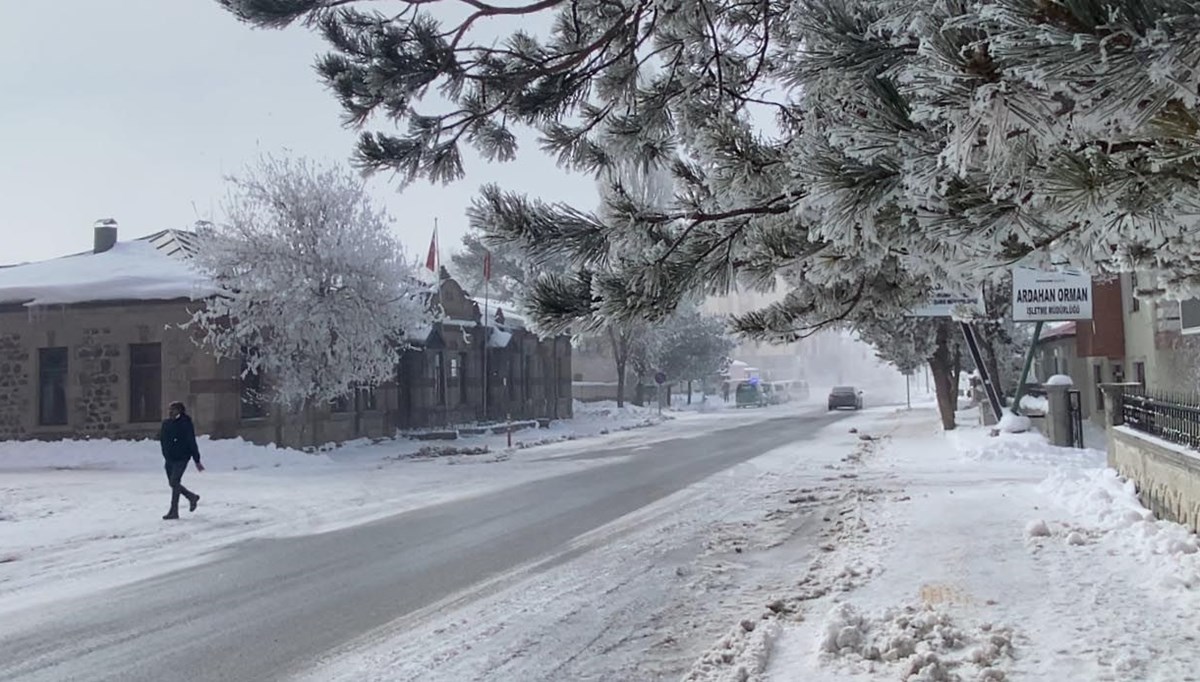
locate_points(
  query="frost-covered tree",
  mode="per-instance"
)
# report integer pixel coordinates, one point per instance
(942, 138)
(910, 342)
(510, 273)
(691, 346)
(316, 295)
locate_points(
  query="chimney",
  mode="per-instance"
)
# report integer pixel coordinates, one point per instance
(106, 235)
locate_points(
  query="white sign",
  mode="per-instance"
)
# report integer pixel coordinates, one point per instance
(1040, 296)
(946, 303)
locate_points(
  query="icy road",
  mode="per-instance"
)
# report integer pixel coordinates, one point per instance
(269, 609)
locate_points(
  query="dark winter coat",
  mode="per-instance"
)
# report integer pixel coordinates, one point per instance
(178, 440)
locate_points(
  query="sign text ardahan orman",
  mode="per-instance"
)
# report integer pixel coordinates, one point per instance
(1040, 296)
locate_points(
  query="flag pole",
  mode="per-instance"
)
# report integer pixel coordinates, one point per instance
(487, 327)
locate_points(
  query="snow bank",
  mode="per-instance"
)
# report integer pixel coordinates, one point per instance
(923, 643)
(232, 454)
(1035, 403)
(1108, 513)
(1026, 448)
(1014, 423)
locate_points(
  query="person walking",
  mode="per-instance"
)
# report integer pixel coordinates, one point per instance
(178, 440)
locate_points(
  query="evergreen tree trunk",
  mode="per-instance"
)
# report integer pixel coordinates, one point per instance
(941, 365)
(620, 357)
(993, 366)
(956, 365)
(620, 383)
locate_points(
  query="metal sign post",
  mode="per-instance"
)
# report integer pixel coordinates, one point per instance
(1037, 332)
(988, 384)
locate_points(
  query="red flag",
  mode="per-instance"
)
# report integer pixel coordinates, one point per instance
(487, 266)
(431, 259)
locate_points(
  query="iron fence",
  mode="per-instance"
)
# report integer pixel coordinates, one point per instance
(1173, 418)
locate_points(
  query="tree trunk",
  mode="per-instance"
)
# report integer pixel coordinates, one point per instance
(941, 366)
(956, 366)
(993, 366)
(620, 384)
(620, 357)
(689, 402)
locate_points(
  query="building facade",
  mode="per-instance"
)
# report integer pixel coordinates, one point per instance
(75, 367)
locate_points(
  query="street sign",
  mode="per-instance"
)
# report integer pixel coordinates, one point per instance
(945, 302)
(660, 378)
(1041, 296)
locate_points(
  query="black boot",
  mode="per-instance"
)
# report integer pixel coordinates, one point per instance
(193, 501)
(171, 515)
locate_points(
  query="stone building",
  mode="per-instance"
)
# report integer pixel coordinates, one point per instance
(94, 345)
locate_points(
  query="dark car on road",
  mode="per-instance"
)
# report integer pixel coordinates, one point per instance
(845, 396)
(748, 394)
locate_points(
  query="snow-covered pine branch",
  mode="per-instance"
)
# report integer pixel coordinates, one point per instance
(315, 291)
(943, 140)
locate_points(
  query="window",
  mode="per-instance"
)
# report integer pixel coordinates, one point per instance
(341, 403)
(1189, 315)
(462, 378)
(1097, 379)
(145, 382)
(1135, 304)
(528, 376)
(439, 378)
(367, 401)
(251, 393)
(1139, 373)
(52, 386)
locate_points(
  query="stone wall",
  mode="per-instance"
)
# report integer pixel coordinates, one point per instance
(97, 338)
(16, 391)
(95, 375)
(1166, 477)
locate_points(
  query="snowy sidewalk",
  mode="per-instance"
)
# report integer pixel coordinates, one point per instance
(970, 557)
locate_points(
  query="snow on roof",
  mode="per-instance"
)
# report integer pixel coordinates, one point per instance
(155, 267)
(511, 317)
(499, 339)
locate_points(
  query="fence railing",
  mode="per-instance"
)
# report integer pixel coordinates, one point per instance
(1173, 418)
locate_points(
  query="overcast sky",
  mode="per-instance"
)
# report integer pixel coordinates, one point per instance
(137, 109)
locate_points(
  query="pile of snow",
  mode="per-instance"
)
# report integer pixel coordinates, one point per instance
(1026, 448)
(1112, 517)
(1014, 423)
(923, 643)
(741, 655)
(1059, 380)
(607, 410)
(1035, 403)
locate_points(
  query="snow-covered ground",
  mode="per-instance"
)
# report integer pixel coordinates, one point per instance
(881, 550)
(76, 516)
(969, 557)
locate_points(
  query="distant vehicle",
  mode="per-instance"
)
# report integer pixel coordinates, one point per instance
(778, 392)
(749, 395)
(845, 396)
